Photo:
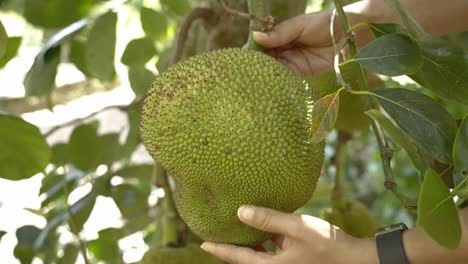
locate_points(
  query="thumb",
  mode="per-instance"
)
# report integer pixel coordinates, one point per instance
(282, 34)
(270, 220)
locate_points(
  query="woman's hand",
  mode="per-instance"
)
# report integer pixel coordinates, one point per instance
(301, 238)
(304, 43)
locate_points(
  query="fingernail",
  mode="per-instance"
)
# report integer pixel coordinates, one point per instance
(206, 246)
(246, 213)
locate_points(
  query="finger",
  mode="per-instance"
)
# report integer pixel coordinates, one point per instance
(270, 220)
(283, 34)
(235, 254)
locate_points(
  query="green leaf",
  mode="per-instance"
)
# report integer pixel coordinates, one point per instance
(24, 151)
(391, 55)
(84, 150)
(133, 137)
(322, 84)
(460, 148)
(324, 116)
(40, 79)
(55, 13)
(80, 217)
(77, 55)
(140, 79)
(130, 200)
(445, 69)
(2, 233)
(3, 40)
(437, 214)
(70, 254)
(11, 50)
(180, 7)
(153, 23)
(107, 251)
(138, 51)
(164, 59)
(110, 147)
(423, 119)
(26, 235)
(401, 139)
(59, 154)
(136, 171)
(100, 48)
(383, 29)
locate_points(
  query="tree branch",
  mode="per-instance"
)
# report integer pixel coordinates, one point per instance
(390, 182)
(123, 108)
(209, 18)
(266, 22)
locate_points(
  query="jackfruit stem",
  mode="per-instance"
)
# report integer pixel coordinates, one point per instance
(171, 218)
(382, 143)
(258, 8)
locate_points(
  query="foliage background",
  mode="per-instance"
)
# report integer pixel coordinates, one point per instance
(82, 88)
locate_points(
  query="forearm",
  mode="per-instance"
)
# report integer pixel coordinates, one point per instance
(422, 249)
(435, 16)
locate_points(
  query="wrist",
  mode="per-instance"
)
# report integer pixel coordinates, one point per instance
(362, 251)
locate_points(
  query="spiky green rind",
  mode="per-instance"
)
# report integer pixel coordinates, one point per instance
(232, 127)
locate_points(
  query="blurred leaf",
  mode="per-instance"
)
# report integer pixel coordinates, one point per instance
(463, 193)
(130, 200)
(382, 29)
(55, 13)
(180, 7)
(59, 154)
(106, 246)
(153, 23)
(138, 51)
(11, 50)
(3, 40)
(401, 139)
(164, 59)
(391, 55)
(460, 147)
(437, 214)
(140, 79)
(80, 217)
(83, 149)
(77, 55)
(40, 79)
(54, 185)
(322, 84)
(445, 69)
(2, 233)
(70, 254)
(136, 171)
(26, 236)
(324, 116)
(24, 151)
(100, 48)
(133, 137)
(110, 147)
(423, 119)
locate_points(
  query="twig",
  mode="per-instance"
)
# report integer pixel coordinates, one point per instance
(72, 224)
(81, 119)
(267, 22)
(390, 182)
(209, 17)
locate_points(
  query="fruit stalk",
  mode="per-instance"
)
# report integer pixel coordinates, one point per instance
(390, 182)
(258, 9)
(171, 218)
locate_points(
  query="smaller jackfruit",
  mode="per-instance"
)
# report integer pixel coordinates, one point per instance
(191, 254)
(355, 219)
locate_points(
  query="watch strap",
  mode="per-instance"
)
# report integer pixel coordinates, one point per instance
(390, 245)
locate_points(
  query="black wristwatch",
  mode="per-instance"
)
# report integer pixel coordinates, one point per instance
(390, 244)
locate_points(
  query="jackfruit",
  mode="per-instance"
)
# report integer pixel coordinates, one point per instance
(232, 127)
(354, 219)
(191, 254)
